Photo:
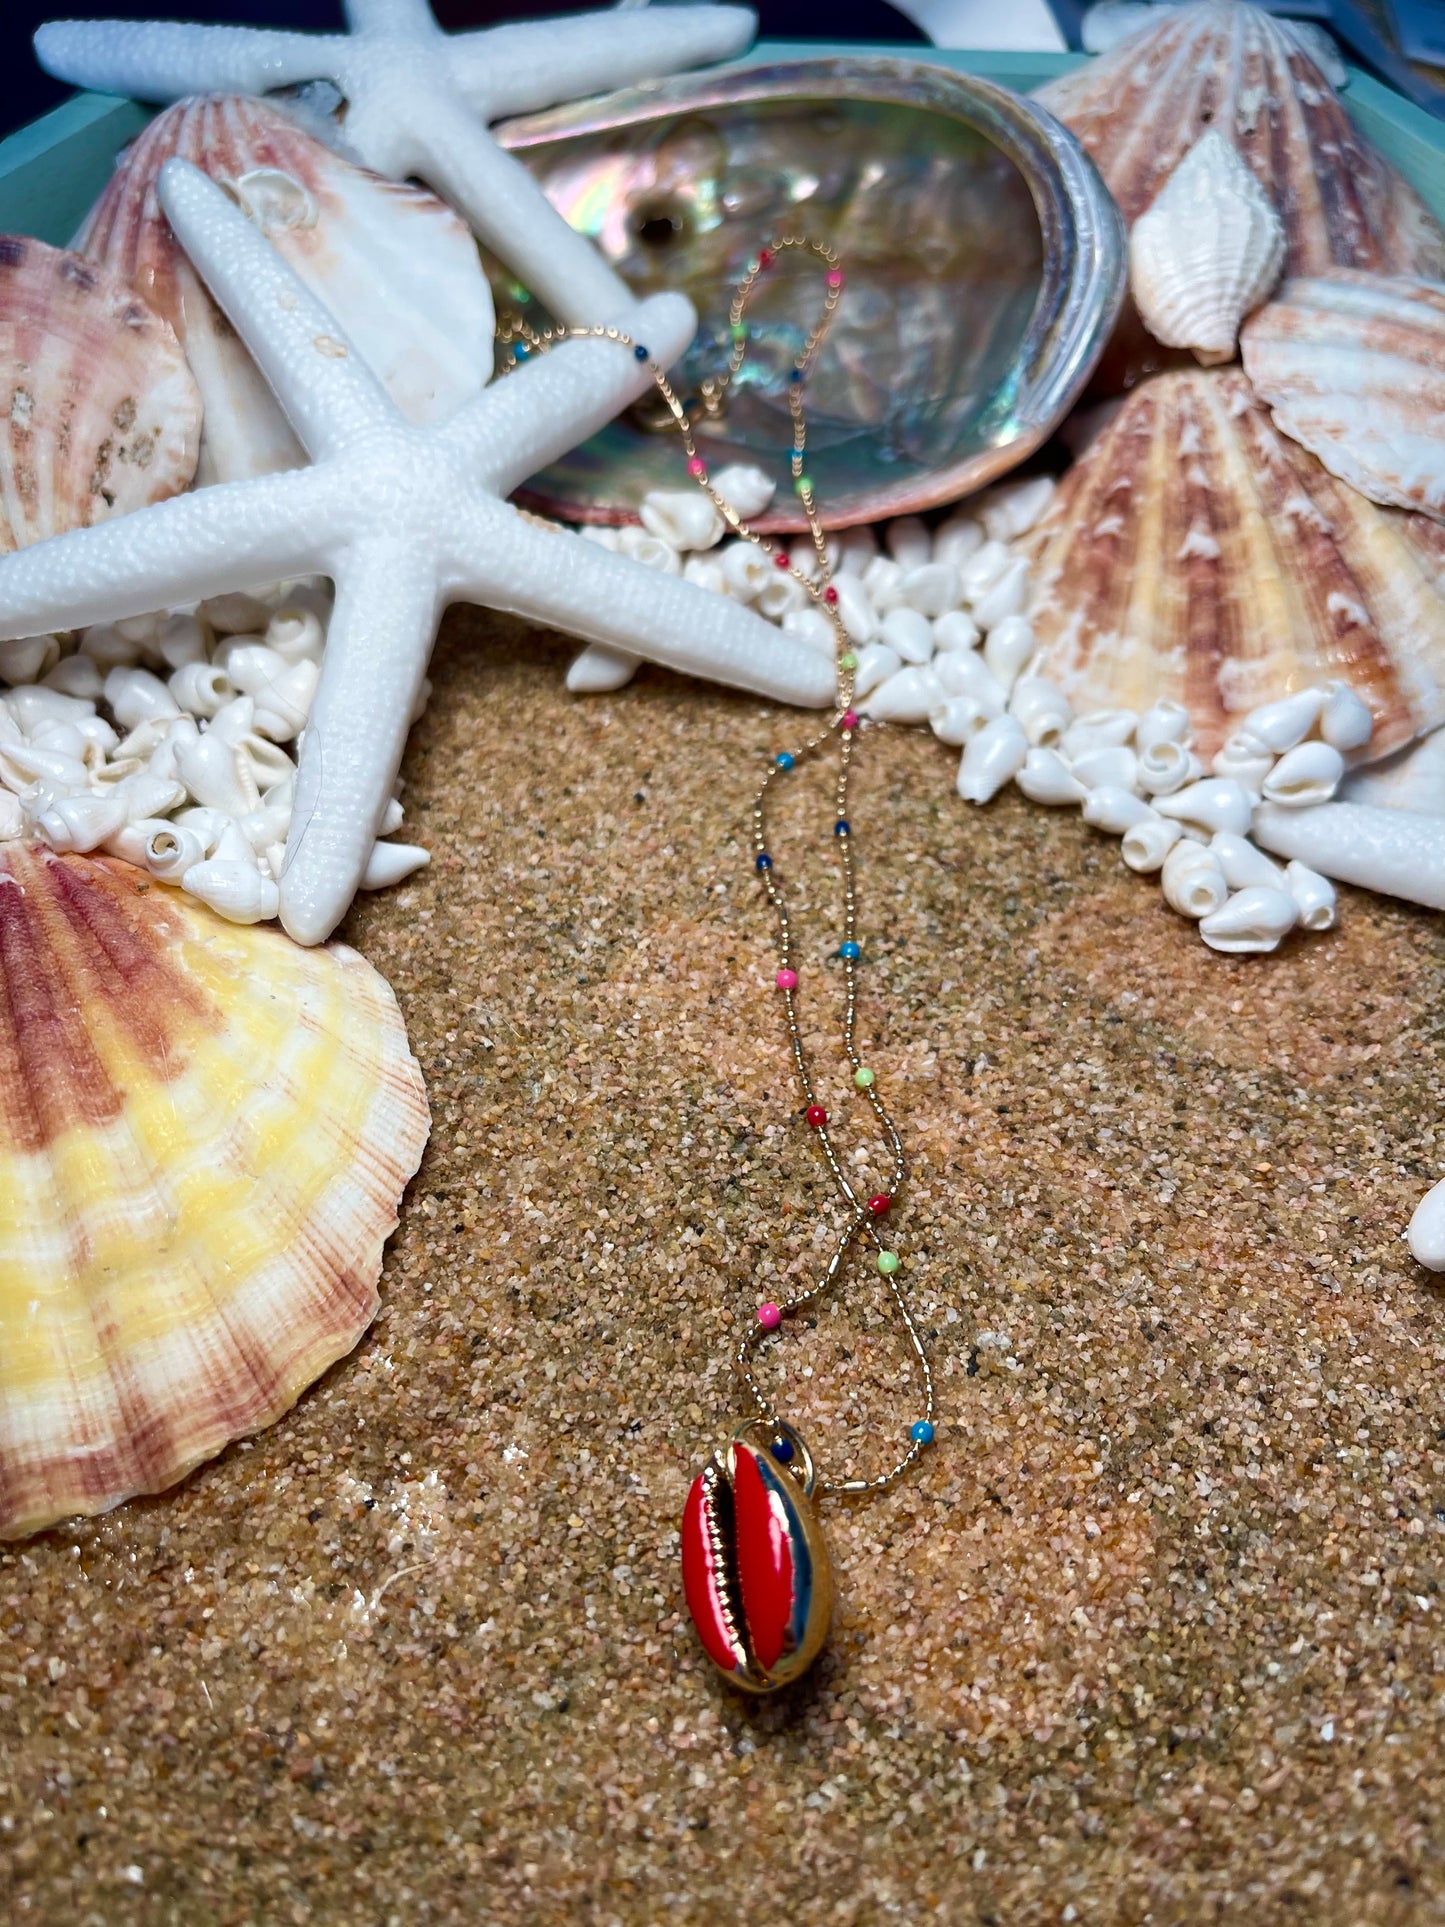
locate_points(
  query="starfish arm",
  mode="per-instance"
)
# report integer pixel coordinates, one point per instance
(390, 16)
(330, 395)
(238, 535)
(163, 60)
(549, 405)
(556, 578)
(377, 649)
(514, 69)
(452, 151)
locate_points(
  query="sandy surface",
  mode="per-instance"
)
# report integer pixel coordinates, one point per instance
(1155, 1634)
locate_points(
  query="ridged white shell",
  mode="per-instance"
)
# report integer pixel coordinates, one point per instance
(396, 267)
(1195, 554)
(1353, 366)
(1232, 68)
(205, 1132)
(1206, 253)
(98, 410)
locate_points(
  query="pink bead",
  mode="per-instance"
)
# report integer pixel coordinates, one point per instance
(697, 467)
(787, 980)
(769, 1317)
(835, 277)
(850, 719)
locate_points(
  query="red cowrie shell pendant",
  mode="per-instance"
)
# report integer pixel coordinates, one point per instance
(755, 1565)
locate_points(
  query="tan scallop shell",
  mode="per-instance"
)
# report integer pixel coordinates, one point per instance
(98, 410)
(1195, 553)
(394, 264)
(1233, 69)
(1353, 366)
(205, 1131)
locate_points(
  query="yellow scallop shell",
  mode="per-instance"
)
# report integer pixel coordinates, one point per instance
(205, 1132)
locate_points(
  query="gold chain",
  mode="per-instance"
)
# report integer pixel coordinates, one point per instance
(525, 342)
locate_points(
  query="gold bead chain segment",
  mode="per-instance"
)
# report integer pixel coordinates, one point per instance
(525, 342)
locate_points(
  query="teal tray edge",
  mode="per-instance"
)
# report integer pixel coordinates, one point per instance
(52, 171)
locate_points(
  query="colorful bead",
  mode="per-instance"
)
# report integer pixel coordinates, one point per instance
(848, 660)
(765, 258)
(830, 595)
(782, 1450)
(738, 330)
(521, 351)
(785, 761)
(780, 561)
(764, 861)
(851, 951)
(879, 1204)
(639, 353)
(697, 467)
(863, 1078)
(850, 719)
(921, 1432)
(795, 379)
(835, 277)
(769, 1317)
(842, 827)
(817, 1116)
(804, 484)
(787, 980)
(888, 1262)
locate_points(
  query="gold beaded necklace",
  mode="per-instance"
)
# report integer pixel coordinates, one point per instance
(756, 1571)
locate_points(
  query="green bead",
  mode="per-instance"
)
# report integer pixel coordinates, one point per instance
(739, 331)
(803, 484)
(863, 1077)
(888, 1263)
(850, 661)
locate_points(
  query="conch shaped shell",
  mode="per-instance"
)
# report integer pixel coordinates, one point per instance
(1206, 253)
(1194, 554)
(205, 1131)
(98, 410)
(1353, 366)
(1232, 69)
(397, 268)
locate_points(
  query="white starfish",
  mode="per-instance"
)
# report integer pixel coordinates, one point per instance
(419, 100)
(405, 520)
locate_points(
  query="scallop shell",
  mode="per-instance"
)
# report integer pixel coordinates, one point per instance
(1206, 253)
(1195, 554)
(204, 1134)
(1232, 68)
(396, 267)
(1353, 366)
(100, 413)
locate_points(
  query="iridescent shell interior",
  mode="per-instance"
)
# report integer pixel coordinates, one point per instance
(984, 263)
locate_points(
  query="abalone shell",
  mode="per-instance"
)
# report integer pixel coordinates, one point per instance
(985, 266)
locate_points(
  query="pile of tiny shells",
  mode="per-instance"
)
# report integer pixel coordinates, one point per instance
(168, 740)
(936, 617)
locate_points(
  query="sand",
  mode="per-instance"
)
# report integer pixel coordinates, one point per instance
(1154, 1634)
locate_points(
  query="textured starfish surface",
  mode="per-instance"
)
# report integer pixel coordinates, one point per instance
(419, 100)
(404, 520)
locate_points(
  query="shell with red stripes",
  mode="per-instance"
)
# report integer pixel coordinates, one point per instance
(755, 1568)
(205, 1132)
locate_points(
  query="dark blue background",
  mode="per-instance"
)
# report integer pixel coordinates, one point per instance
(25, 92)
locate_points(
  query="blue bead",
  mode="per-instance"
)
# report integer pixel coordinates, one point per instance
(639, 353)
(521, 351)
(765, 862)
(782, 1449)
(921, 1432)
(795, 377)
(850, 951)
(785, 761)
(840, 828)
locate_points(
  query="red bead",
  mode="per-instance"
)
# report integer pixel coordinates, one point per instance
(780, 561)
(850, 719)
(879, 1204)
(817, 1116)
(830, 595)
(765, 258)
(697, 467)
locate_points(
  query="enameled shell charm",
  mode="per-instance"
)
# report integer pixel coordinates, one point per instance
(755, 1567)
